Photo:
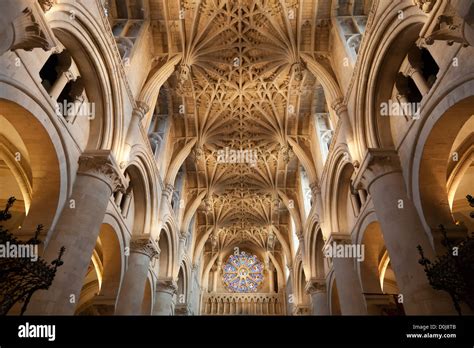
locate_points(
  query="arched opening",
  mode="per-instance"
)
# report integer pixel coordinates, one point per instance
(165, 249)
(81, 85)
(335, 306)
(446, 172)
(126, 20)
(318, 257)
(347, 201)
(29, 170)
(378, 280)
(133, 202)
(147, 299)
(304, 300)
(102, 281)
(181, 303)
(393, 71)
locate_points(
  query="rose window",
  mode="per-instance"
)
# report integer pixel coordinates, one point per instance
(242, 273)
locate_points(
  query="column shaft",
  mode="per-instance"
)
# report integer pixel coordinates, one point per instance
(133, 287)
(351, 299)
(77, 229)
(165, 297)
(402, 231)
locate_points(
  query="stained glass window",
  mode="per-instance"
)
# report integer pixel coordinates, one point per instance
(242, 273)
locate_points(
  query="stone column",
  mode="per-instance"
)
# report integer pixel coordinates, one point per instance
(419, 80)
(118, 198)
(168, 192)
(64, 77)
(142, 251)
(351, 298)
(316, 288)
(271, 277)
(317, 199)
(133, 131)
(125, 204)
(363, 196)
(380, 173)
(165, 293)
(134, 127)
(346, 127)
(77, 229)
(214, 278)
(182, 245)
(414, 71)
(24, 26)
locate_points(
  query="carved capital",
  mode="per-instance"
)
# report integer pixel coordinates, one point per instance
(168, 191)
(145, 246)
(315, 189)
(101, 164)
(30, 31)
(450, 21)
(338, 238)
(141, 109)
(339, 106)
(167, 285)
(315, 285)
(377, 163)
(424, 5)
(27, 30)
(46, 5)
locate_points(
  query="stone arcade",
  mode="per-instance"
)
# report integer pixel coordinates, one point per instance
(113, 115)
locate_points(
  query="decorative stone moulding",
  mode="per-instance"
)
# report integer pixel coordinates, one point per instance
(448, 21)
(27, 30)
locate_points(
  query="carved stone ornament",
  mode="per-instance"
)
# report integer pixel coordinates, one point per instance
(102, 166)
(167, 285)
(314, 286)
(377, 162)
(29, 33)
(145, 246)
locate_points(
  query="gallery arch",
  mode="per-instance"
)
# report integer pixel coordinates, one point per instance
(102, 282)
(30, 170)
(444, 172)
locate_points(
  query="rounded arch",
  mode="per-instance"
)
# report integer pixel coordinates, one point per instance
(333, 296)
(377, 277)
(431, 171)
(168, 252)
(315, 253)
(381, 57)
(338, 190)
(147, 304)
(183, 284)
(102, 281)
(300, 283)
(99, 73)
(34, 153)
(142, 200)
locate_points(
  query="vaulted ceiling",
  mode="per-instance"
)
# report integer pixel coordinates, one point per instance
(244, 87)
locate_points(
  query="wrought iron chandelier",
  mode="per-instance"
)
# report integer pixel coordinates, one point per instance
(20, 276)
